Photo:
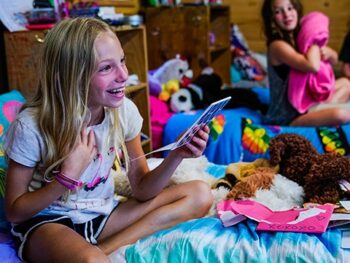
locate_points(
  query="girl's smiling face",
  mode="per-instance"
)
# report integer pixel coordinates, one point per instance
(108, 81)
(285, 15)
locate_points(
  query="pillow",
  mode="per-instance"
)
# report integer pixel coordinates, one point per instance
(10, 103)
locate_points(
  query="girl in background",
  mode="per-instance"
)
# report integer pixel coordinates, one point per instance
(281, 26)
(62, 146)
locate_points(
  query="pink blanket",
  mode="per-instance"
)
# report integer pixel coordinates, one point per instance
(308, 89)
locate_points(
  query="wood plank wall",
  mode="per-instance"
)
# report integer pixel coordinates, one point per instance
(246, 13)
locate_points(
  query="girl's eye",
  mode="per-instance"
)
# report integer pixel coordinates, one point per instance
(105, 68)
(123, 60)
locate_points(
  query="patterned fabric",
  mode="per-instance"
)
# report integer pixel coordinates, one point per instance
(207, 240)
(334, 140)
(10, 104)
(256, 137)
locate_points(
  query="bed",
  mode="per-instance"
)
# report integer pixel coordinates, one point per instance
(207, 240)
(204, 239)
(245, 138)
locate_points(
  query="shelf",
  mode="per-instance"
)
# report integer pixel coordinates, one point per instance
(126, 28)
(135, 88)
(217, 48)
(192, 26)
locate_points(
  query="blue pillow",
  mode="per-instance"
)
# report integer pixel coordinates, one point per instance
(10, 103)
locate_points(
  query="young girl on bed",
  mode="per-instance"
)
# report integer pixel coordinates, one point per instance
(281, 26)
(62, 146)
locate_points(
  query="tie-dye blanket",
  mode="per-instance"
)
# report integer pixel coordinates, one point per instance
(206, 240)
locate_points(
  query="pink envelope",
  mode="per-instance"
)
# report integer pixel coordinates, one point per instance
(309, 220)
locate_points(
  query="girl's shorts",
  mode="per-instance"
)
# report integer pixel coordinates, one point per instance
(89, 230)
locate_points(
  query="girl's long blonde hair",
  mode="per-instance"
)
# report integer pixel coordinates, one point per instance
(66, 67)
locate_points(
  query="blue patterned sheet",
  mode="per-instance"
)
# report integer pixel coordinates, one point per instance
(207, 240)
(245, 138)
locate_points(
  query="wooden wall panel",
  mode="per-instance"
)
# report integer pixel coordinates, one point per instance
(246, 13)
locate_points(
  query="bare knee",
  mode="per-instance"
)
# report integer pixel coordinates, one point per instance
(200, 198)
(341, 116)
(93, 255)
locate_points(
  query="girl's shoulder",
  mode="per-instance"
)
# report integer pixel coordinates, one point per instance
(128, 107)
(28, 117)
(278, 50)
(280, 45)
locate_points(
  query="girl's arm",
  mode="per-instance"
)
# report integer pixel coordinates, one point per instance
(280, 52)
(147, 184)
(20, 205)
(329, 54)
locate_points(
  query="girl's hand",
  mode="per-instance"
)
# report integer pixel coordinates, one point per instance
(328, 54)
(81, 156)
(196, 146)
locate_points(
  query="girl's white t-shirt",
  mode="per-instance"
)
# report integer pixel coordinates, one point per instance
(96, 197)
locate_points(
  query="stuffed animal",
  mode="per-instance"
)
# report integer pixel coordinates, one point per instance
(168, 89)
(259, 181)
(189, 169)
(235, 172)
(208, 88)
(318, 174)
(268, 188)
(173, 69)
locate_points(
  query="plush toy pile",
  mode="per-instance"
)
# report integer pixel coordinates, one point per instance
(189, 169)
(167, 79)
(296, 173)
(319, 174)
(208, 88)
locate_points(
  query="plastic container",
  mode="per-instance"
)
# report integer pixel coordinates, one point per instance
(41, 16)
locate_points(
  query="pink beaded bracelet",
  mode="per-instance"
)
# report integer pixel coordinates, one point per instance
(67, 182)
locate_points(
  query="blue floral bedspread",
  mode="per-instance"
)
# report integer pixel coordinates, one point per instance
(243, 137)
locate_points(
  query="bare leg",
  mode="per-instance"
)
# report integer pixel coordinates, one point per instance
(342, 91)
(58, 243)
(133, 220)
(323, 117)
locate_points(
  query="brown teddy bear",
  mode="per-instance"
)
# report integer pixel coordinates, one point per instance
(319, 174)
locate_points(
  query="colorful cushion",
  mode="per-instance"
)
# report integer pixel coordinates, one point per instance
(10, 104)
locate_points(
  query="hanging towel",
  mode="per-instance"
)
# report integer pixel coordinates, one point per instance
(308, 89)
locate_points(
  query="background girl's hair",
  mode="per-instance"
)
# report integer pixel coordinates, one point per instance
(66, 67)
(271, 30)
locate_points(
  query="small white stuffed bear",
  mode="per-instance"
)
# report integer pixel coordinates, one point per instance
(189, 169)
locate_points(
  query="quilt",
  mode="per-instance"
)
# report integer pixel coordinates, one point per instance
(243, 136)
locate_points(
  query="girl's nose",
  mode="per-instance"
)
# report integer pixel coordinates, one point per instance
(285, 12)
(121, 74)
